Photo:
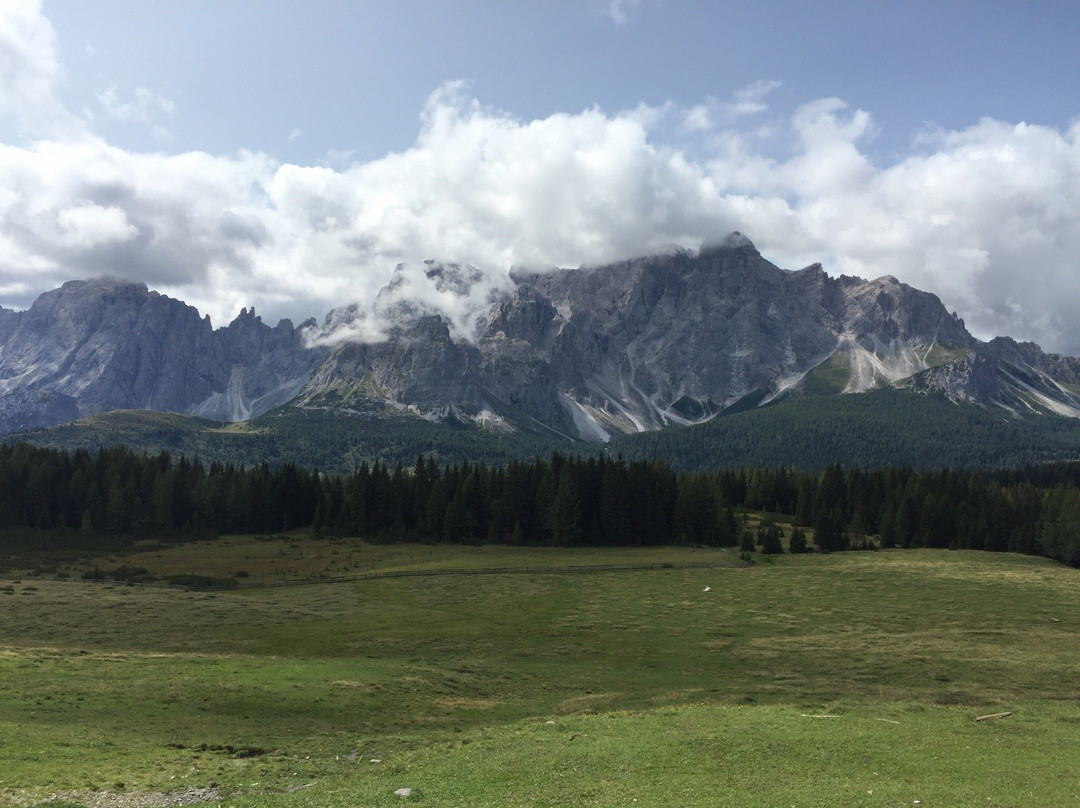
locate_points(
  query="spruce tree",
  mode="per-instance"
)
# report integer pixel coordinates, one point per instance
(770, 536)
(746, 541)
(797, 543)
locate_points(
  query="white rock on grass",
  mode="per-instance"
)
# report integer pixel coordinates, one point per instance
(403, 792)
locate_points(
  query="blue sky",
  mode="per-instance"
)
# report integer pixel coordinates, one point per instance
(289, 154)
(353, 76)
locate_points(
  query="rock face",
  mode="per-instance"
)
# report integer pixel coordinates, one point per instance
(1016, 376)
(676, 339)
(586, 353)
(92, 346)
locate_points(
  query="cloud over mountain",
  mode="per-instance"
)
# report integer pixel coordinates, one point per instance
(987, 216)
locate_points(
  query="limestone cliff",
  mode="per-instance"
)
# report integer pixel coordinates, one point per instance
(93, 346)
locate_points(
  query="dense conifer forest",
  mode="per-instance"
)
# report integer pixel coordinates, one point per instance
(332, 441)
(869, 430)
(50, 498)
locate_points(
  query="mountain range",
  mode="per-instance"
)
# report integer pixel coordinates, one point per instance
(585, 354)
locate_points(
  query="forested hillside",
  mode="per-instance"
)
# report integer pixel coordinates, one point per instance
(867, 430)
(336, 442)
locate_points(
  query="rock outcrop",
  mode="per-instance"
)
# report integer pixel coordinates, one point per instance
(93, 346)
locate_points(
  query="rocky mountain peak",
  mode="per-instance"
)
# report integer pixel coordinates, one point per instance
(247, 315)
(737, 241)
(89, 288)
(9, 321)
(105, 344)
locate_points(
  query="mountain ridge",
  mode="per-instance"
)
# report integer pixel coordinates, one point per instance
(585, 354)
(675, 339)
(106, 344)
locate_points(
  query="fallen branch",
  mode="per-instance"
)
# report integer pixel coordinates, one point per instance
(993, 715)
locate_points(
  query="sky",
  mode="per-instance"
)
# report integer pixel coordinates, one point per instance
(289, 155)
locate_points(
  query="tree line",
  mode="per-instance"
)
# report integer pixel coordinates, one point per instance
(48, 496)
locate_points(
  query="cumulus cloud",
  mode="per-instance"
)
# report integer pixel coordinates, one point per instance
(750, 100)
(29, 71)
(987, 216)
(143, 106)
(76, 209)
(697, 119)
(461, 295)
(87, 226)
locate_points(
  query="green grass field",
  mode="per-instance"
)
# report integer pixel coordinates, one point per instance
(844, 680)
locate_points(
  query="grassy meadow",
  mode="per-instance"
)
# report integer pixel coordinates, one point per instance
(847, 679)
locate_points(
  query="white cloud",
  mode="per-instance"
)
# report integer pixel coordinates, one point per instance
(750, 100)
(85, 227)
(29, 71)
(619, 10)
(461, 295)
(143, 107)
(987, 216)
(697, 119)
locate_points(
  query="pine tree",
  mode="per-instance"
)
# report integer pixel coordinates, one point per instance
(804, 507)
(797, 543)
(746, 541)
(829, 534)
(769, 535)
(566, 511)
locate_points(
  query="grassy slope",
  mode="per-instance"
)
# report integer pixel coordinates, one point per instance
(658, 691)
